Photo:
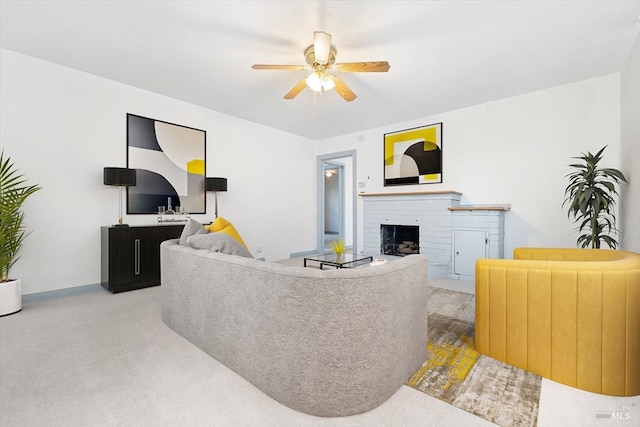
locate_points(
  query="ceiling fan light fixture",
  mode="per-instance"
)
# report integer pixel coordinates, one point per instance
(321, 57)
(314, 82)
(327, 83)
(319, 82)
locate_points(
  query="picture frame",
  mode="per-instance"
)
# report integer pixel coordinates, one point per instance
(170, 164)
(413, 156)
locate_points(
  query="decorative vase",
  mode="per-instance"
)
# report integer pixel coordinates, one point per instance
(10, 297)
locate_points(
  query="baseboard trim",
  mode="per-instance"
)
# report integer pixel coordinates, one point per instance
(304, 253)
(77, 290)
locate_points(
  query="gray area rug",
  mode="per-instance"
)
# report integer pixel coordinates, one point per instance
(457, 374)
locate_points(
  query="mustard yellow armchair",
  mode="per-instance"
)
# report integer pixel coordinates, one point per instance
(569, 315)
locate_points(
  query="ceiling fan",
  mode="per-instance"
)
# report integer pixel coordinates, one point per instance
(321, 58)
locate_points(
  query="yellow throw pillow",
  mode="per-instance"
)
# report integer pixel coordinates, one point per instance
(224, 226)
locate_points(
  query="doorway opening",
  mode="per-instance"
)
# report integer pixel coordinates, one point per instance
(334, 202)
(337, 200)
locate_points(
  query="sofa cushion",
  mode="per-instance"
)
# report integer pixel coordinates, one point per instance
(224, 226)
(191, 228)
(218, 242)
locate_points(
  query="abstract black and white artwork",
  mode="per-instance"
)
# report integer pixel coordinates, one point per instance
(170, 164)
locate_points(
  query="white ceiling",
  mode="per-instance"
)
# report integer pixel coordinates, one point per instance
(443, 55)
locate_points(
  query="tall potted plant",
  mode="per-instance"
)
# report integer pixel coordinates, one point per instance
(591, 196)
(14, 191)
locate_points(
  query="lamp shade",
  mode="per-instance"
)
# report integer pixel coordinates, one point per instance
(216, 184)
(120, 176)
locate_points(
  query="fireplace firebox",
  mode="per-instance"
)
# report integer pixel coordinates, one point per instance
(399, 240)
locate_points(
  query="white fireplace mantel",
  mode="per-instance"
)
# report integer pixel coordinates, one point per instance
(439, 214)
(412, 193)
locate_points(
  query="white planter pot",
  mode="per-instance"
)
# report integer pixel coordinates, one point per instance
(10, 297)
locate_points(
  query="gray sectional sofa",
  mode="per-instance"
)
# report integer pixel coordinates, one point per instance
(327, 343)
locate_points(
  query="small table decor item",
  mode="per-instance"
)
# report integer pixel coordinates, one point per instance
(173, 219)
(169, 215)
(338, 247)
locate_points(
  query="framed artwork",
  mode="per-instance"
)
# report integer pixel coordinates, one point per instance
(413, 156)
(170, 164)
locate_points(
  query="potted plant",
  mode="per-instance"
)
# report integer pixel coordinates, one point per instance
(13, 193)
(591, 197)
(338, 247)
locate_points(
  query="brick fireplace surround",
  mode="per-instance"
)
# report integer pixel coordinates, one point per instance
(439, 214)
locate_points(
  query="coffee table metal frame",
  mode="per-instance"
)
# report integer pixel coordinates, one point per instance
(350, 260)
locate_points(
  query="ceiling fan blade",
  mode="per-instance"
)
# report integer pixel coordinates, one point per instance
(296, 89)
(362, 67)
(342, 89)
(321, 46)
(277, 67)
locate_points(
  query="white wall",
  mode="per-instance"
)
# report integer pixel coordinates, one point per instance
(630, 201)
(61, 127)
(512, 151)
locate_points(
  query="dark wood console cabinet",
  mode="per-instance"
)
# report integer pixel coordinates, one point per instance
(131, 255)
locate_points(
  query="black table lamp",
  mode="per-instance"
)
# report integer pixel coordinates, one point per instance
(122, 177)
(215, 185)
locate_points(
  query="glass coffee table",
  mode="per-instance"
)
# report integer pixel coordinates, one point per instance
(345, 261)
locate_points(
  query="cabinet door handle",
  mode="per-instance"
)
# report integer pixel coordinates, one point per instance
(136, 244)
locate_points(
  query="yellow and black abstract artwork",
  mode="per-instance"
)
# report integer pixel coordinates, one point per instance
(413, 156)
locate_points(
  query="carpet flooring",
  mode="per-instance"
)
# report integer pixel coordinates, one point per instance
(102, 360)
(96, 359)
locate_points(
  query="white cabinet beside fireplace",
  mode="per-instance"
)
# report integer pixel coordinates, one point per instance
(468, 246)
